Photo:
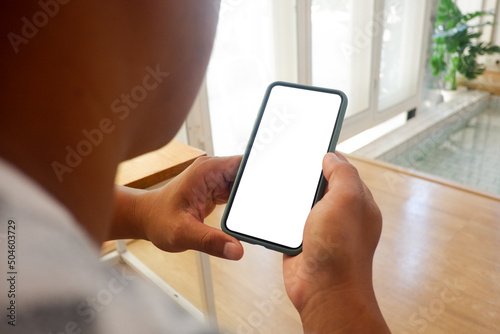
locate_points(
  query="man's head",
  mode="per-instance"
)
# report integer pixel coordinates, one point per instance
(66, 65)
(88, 84)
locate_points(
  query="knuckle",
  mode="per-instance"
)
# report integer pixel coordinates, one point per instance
(200, 161)
(176, 238)
(372, 211)
(353, 195)
(348, 168)
(209, 242)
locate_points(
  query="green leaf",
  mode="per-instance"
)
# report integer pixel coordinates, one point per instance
(468, 17)
(456, 43)
(492, 49)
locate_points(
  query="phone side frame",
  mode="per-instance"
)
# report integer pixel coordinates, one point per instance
(321, 183)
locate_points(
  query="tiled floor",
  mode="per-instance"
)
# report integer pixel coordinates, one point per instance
(470, 156)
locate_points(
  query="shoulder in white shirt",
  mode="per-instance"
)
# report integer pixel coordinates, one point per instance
(53, 281)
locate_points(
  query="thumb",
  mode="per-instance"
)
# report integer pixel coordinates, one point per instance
(329, 162)
(212, 241)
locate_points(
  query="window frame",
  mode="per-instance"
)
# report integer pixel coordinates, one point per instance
(198, 123)
(371, 116)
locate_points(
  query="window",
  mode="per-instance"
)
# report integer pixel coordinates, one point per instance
(249, 53)
(401, 51)
(342, 49)
(468, 6)
(372, 50)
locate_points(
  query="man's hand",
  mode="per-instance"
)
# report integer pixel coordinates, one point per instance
(330, 282)
(172, 217)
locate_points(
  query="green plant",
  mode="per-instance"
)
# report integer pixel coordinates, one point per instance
(456, 44)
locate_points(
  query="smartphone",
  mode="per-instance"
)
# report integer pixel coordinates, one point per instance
(280, 177)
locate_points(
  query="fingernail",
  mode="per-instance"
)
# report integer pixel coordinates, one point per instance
(231, 251)
(332, 157)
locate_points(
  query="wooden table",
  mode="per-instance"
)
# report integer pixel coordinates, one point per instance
(436, 269)
(152, 168)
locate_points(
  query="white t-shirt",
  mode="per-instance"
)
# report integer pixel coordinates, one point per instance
(51, 279)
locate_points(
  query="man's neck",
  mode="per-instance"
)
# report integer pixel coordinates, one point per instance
(83, 184)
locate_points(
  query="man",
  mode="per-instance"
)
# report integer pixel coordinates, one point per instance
(88, 84)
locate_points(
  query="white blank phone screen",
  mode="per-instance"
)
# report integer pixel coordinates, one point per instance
(279, 182)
